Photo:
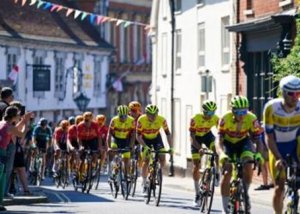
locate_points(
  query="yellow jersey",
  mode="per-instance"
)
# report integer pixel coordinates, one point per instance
(121, 129)
(150, 130)
(228, 127)
(201, 126)
(285, 126)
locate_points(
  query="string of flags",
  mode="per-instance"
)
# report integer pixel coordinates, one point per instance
(79, 14)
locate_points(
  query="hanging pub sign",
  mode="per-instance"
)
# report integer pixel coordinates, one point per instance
(41, 77)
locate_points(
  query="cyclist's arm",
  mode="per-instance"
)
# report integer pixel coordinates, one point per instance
(270, 141)
(132, 138)
(220, 145)
(140, 139)
(108, 138)
(170, 139)
(193, 141)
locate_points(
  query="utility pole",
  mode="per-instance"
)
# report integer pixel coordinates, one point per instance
(173, 24)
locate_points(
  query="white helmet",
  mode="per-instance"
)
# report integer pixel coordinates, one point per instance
(290, 83)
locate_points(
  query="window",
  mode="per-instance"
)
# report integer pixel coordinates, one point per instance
(39, 59)
(97, 76)
(11, 61)
(60, 76)
(249, 5)
(201, 45)
(225, 36)
(178, 50)
(126, 44)
(164, 54)
(178, 5)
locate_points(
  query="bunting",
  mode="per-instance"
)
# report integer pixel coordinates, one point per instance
(81, 15)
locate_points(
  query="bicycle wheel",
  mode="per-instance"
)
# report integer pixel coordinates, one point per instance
(134, 176)
(89, 177)
(148, 186)
(207, 187)
(123, 181)
(64, 174)
(157, 184)
(98, 174)
(243, 199)
(39, 171)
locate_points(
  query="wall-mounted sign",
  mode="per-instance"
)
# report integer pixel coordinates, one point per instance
(41, 77)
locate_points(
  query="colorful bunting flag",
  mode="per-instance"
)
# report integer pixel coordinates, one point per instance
(32, 2)
(47, 5)
(84, 15)
(77, 13)
(99, 19)
(40, 3)
(92, 18)
(69, 11)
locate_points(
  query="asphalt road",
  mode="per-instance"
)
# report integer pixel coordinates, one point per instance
(173, 201)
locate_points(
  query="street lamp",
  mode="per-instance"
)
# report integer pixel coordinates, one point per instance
(81, 101)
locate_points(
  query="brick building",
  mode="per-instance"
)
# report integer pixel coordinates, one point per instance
(260, 27)
(131, 60)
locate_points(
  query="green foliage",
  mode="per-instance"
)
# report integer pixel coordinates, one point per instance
(291, 64)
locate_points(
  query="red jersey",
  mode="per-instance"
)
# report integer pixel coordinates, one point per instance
(60, 135)
(72, 133)
(103, 131)
(87, 133)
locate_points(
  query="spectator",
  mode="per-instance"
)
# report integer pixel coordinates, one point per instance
(6, 98)
(19, 161)
(9, 128)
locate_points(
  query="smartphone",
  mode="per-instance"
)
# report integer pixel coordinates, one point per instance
(22, 110)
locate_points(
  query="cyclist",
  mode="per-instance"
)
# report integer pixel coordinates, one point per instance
(89, 138)
(73, 142)
(148, 135)
(103, 130)
(71, 120)
(122, 129)
(236, 128)
(200, 132)
(135, 111)
(282, 121)
(41, 138)
(60, 143)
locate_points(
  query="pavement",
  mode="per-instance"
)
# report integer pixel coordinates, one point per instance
(38, 196)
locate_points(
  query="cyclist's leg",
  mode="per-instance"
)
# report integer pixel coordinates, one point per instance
(125, 143)
(95, 151)
(111, 155)
(42, 148)
(246, 153)
(145, 165)
(225, 180)
(102, 153)
(56, 159)
(158, 145)
(196, 173)
(279, 181)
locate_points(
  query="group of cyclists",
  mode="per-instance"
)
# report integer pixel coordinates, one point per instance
(239, 134)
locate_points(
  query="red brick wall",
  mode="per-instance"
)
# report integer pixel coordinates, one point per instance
(260, 8)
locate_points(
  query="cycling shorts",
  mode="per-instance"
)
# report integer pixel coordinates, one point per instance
(91, 144)
(119, 143)
(156, 143)
(241, 149)
(208, 140)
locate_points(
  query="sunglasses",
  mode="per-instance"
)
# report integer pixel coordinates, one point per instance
(209, 113)
(293, 94)
(240, 112)
(123, 116)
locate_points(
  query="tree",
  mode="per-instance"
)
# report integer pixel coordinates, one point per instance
(291, 64)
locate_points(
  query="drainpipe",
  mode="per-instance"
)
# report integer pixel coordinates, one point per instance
(237, 47)
(172, 3)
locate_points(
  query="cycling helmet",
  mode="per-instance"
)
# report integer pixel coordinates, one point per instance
(151, 109)
(135, 106)
(122, 110)
(87, 115)
(100, 118)
(64, 124)
(71, 120)
(290, 83)
(78, 119)
(209, 106)
(239, 102)
(43, 121)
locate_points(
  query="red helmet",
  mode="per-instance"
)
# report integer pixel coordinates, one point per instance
(135, 106)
